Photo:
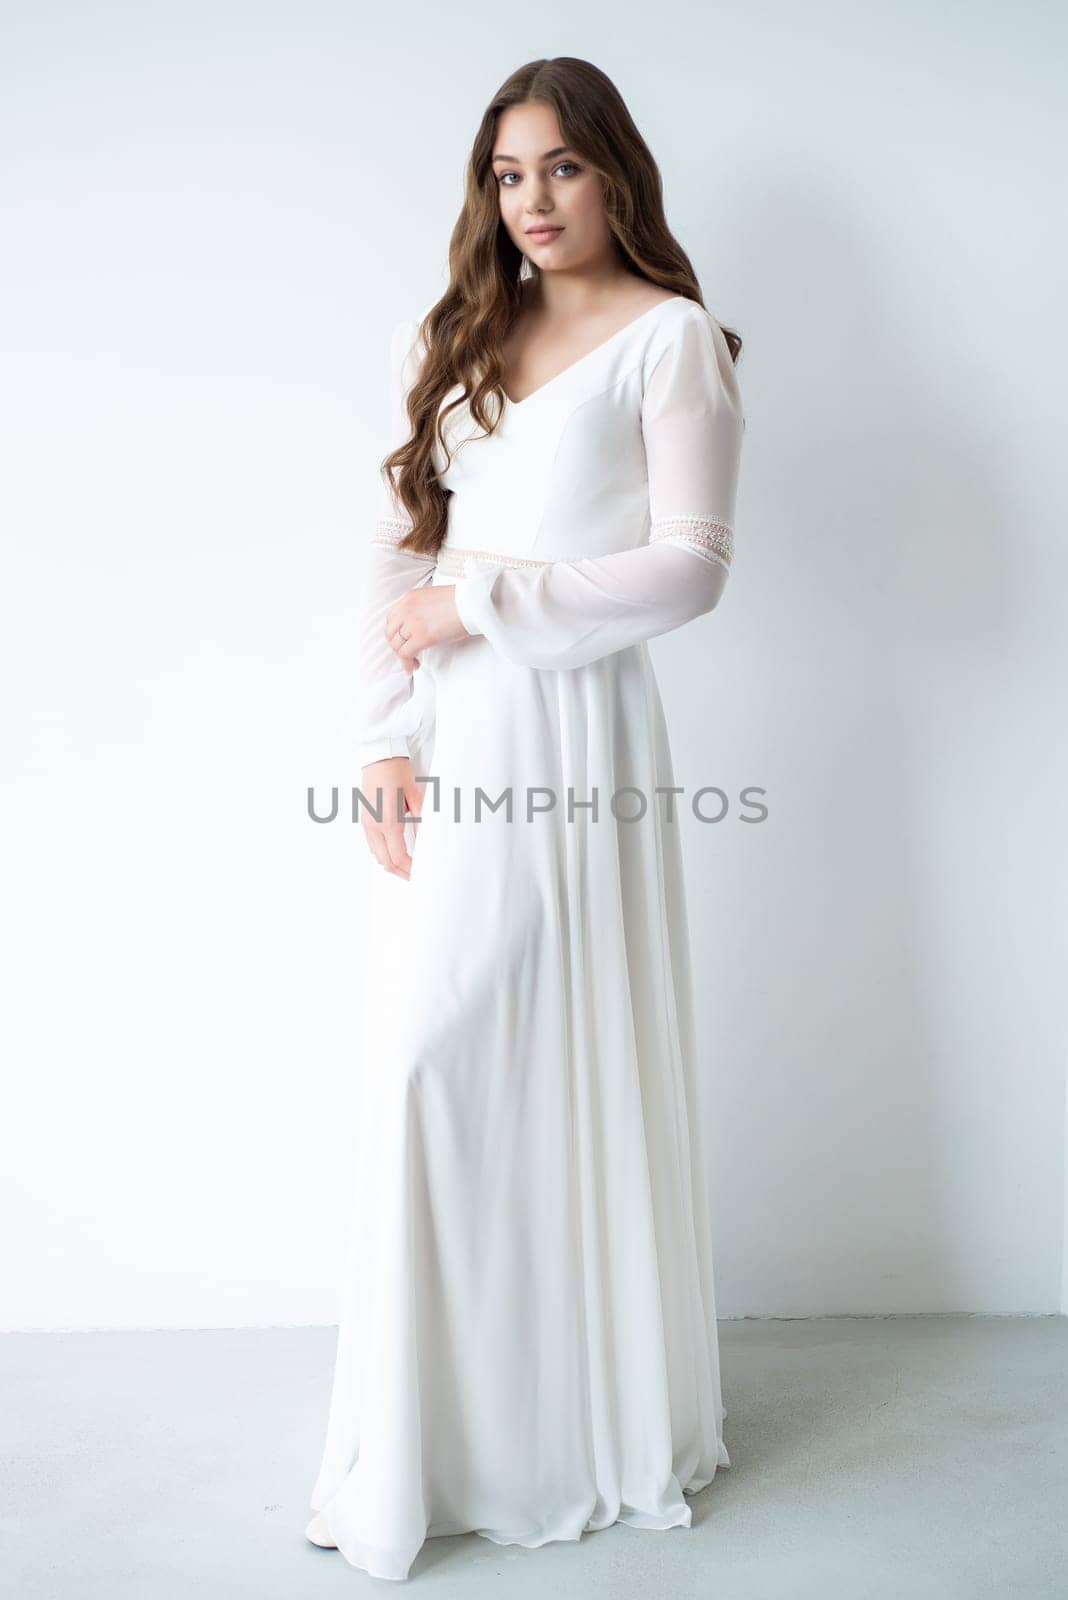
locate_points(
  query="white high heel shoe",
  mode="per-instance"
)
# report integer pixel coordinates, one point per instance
(315, 1533)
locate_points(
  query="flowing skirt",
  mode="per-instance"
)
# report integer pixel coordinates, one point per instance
(528, 1345)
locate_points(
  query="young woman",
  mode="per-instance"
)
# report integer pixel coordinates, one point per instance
(528, 1345)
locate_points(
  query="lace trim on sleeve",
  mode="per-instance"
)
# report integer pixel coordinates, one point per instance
(713, 540)
(390, 531)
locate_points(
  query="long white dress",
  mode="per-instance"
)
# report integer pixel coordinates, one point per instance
(528, 1343)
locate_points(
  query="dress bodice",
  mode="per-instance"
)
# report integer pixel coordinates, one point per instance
(568, 462)
(596, 514)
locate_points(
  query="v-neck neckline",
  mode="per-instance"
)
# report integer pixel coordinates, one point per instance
(518, 405)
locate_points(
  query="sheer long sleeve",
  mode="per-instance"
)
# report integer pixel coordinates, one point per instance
(569, 613)
(385, 700)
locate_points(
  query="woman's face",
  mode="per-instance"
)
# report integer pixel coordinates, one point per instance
(543, 184)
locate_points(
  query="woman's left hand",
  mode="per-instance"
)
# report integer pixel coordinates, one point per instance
(422, 617)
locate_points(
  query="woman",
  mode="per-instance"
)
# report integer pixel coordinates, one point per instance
(528, 1342)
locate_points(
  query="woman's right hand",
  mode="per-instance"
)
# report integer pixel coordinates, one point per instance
(385, 839)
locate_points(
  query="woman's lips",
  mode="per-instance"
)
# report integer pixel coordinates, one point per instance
(543, 235)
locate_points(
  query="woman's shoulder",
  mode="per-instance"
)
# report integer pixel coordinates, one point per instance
(696, 338)
(687, 361)
(683, 321)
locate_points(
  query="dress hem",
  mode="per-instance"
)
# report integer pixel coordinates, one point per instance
(374, 1560)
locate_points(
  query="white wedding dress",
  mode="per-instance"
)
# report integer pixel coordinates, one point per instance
(528, 1344)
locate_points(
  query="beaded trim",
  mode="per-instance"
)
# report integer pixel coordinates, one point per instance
(452, 559)
(714, 540)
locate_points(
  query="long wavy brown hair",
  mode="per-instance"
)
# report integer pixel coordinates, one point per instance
(465, 331)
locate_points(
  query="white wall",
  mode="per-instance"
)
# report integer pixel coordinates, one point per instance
(214, 216)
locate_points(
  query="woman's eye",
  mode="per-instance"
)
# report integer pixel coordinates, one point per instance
(501, 179)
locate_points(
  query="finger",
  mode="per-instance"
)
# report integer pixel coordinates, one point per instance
(400, 860)
(391, 830)
(377, 847)
(406, 645)
(414, 795)
(403, 649)
(380, 850)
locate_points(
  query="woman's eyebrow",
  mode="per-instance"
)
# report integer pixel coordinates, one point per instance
(560, 150)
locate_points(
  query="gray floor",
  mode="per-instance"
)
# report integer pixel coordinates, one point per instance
(904, 1457)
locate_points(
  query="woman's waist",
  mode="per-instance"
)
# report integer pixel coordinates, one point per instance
(454, 559)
